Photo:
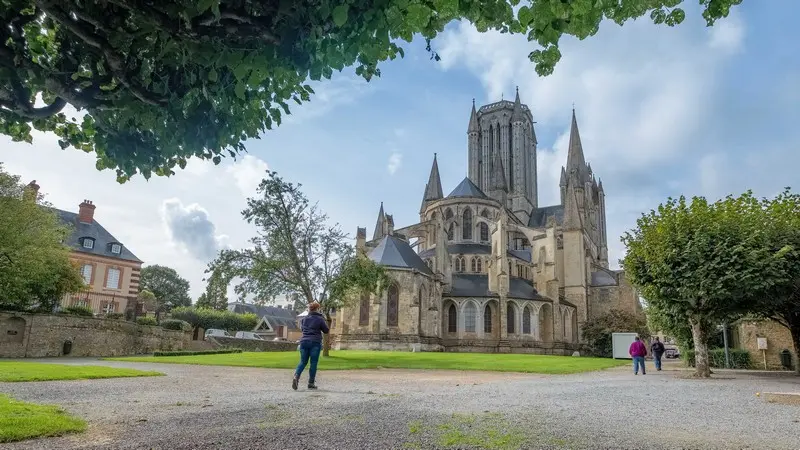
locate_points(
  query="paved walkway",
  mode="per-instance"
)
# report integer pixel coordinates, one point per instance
(206, 407)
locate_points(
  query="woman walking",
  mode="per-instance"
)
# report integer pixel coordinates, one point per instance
(313, 325)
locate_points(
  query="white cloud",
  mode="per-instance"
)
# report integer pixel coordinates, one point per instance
(728, 35)
(191, 229)
(340, 90)
(248, 173)
(395, 161)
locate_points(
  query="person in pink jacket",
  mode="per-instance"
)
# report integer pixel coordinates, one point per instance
(638, 351)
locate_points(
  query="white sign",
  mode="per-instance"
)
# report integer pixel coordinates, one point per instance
(620, 343)
(762, 343)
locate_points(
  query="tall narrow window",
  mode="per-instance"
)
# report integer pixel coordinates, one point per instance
(393, 298)
(363, 310)
(480, 266)
(487, 319)
(519, 271)
(484, 232)
(526, 321)
(112, 279)
(469, 317)
(451, 230)
(511, 318)
(466, 232)
(510, 160)
(86, 273)
(474, 264)
(452, 325)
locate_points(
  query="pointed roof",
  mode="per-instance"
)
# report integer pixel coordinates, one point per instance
(600, 185)
(473, 120)
(517, 115)
(575, 159)
(395, 252)
(498, 174)
(467, 189)
(379, 224)
(433, 190)
(563, 181)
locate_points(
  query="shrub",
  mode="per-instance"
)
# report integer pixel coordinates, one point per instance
(740, 359)
(203, 352)
(175, 324)
(78, 311)
(114, 316)
(597, 332)
(212, 318)
(146, 321)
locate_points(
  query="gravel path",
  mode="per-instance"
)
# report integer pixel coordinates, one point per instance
(206, 407)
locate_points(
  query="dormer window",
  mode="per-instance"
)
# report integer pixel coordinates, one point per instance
(116, 249)
(88, 243)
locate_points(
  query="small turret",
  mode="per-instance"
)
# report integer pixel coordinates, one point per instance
(380, 225)
(473, 120)
(517, 115)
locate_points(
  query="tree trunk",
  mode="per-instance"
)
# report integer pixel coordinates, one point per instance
(794, 329)
(701, 360)
(326, 338)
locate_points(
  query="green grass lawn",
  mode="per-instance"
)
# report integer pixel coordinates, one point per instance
(32, 371)
(350, 359)
(20, 420)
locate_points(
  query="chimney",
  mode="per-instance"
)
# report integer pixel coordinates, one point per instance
(361, 240)
(86, 212)
(31, 191)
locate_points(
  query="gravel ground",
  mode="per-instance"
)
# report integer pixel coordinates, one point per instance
(205, 407)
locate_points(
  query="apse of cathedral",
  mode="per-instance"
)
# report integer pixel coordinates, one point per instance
(486, 268)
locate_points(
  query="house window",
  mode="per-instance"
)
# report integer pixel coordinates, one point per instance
(363, 310)
(392, 306)
(86, 273)
(116, 249)
(466, 232)
(108, 307)
(487, 319)
(112, 279)
(452, 325)
(484, 232)
(470, 313)
(511, 318)
(80, 303)
(88, 243)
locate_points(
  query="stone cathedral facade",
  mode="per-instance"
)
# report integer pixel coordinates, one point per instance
(486, 268)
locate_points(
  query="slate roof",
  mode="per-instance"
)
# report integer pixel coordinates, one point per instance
(477, 285)
(102, 238)
(477, 249)
(603, 278)
(467, 189)
(395, 252)
(539, 216)
(276, 316)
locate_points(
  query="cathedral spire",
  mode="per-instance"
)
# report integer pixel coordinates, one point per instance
(380, 225)
(433, 190)
(517, 115)
(575, 159)
(563, 177)
(498, 174)
(473, 120)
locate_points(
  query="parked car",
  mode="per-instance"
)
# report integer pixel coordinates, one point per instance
(248, 335)
(213, 332)
(672, 353)
(280, 339)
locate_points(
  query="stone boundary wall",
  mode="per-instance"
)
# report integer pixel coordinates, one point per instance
(253, 345)
(43, 335)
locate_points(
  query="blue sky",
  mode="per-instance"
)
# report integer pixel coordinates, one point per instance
(662, 112)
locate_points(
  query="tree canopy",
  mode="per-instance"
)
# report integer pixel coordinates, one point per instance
(159, 82)
(166, 285)
(705, 262)
(35, 269)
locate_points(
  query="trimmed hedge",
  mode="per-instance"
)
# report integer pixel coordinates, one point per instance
(203, 352)
(740, 359)
(115, 316)
(211, 318)
(175, 324)
(146, 321)
(84, 311)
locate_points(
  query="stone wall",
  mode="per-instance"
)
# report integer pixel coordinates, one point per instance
(41, 335)
(778, 339)
(254, 345)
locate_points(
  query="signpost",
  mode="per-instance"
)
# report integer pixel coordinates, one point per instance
(762, 345)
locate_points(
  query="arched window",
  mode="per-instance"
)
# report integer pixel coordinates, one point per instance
(469, 317)
(392, 306)
(451, 231)
(480, 266)
(484, 231)
(452, 325)
(461, 264)
(363, 310)
(487, 319)
(474, 264)
(466, 232)
(511, 317)
(526, 321)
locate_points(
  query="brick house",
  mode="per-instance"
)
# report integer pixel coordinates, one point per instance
(109, 268)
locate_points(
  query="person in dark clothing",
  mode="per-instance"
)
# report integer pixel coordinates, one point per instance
(657, 348)
(313, 325)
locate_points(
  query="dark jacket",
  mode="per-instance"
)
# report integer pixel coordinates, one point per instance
(313, 325)
(657, 347)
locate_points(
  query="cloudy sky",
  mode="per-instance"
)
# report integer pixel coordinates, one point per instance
(662, 112)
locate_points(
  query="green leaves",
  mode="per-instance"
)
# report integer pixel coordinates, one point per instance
(340, 15)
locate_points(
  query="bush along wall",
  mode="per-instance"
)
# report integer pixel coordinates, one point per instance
(203, 352)
(740, 359)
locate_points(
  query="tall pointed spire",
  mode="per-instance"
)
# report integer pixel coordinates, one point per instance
(563, 181)
(498, 174)
(575, 160)
(517, 115)
(433, 190)
(473, 120)
(380, 224)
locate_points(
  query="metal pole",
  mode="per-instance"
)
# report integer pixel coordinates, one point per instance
(725, 341)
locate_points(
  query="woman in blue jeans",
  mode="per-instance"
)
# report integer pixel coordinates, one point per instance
(313, 325)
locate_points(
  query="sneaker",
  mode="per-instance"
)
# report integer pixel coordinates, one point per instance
(312, 386)
(294, 383)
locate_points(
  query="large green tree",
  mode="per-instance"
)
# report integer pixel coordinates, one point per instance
(295, 254)
(160, 81)
(35, 270)
(166, 285)
(704, 262)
